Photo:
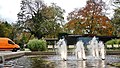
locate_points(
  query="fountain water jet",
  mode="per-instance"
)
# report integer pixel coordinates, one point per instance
(93, 48)
(79, 51)
(96, 49)
(62, 49)
(101, 50)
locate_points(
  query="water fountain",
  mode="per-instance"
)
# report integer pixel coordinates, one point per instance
(80, 51)
(62, 49)
(93, 48)
(101, 50)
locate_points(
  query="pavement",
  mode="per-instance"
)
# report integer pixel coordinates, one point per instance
(10, 52)
(10, 55)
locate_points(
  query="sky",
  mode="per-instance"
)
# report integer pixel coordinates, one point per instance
(10, 8)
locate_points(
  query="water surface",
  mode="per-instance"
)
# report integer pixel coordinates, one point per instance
(55, 62)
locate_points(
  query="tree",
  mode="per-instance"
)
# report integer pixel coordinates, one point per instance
(116, 17)
(54, 20)
(5, 29)
(30, 15)
(90, 20)
(38, 18)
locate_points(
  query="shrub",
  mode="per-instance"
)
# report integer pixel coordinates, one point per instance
(37, 45)
(117, 41)
(110, 42)
(113, 41)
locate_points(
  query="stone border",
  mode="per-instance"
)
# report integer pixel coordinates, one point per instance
(13, 55)
(110, 52)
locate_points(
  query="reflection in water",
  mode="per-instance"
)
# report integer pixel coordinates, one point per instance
(1, 61)
(37, 62)
(102, 65)
(62, 64)
(95, 64)
(81, 64)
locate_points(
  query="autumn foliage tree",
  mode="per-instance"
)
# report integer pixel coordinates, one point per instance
(90, 20)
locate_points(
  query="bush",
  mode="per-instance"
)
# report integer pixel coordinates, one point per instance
(110, 42)
(113, 41)
(117, 41)
(37, 45)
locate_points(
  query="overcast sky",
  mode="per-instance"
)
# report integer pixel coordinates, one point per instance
(10, 8)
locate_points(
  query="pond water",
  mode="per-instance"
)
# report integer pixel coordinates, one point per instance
(51, 61)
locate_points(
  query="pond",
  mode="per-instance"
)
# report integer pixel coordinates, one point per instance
(53, 61)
